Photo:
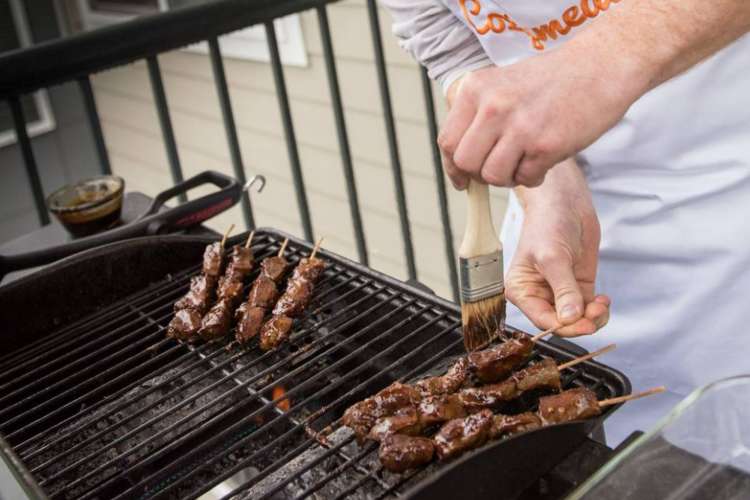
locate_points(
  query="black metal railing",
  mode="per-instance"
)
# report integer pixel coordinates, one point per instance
(77, 57)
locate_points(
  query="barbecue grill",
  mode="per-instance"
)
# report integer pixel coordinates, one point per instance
(96, 402)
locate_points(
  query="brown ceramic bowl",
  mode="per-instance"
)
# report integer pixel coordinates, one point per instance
(90, 206)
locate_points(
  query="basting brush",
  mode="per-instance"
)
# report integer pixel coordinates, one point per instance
(481, 272)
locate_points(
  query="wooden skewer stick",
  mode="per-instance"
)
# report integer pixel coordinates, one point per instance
(540, 336)
(283, 247)
(316, 248)
(573, 362)
(631, 397)
(226, 235)
(250, 239)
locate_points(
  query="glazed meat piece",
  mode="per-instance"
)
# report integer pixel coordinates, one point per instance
(309, 269)
(263, 293)
(273, 268)
(241, 262)
(488, 396)
(497, 363)
(573, 404)
(399, 453)
(229, 290)
(185, 325)
(448, 383)
(405, 421)
(294, 300)
(438, 409)
(199, 296)
(463, 434)
(361, 416)
(249, 322)
(217, 322)
(542, 375)
(507, 425)
(275, 331)
(212, 259)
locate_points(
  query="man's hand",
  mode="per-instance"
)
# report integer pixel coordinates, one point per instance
(508, 126)
(551, 278)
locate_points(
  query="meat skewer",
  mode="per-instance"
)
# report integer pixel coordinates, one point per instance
(293, 301)
(262, 296)
(399, 453)
(189, 310)
(498, 362)
(217, 322)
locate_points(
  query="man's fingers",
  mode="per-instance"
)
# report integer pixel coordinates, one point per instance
(595, 317)
(500, 166)
(459, 179)
(456, 124)
(539, 311)
(557, 269)
(474, 147)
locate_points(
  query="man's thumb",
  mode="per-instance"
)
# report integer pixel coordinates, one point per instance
(568, 298)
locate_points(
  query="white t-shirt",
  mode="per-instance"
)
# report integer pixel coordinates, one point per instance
(671, 185)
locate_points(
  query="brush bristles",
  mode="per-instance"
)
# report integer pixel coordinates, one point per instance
(482, 321)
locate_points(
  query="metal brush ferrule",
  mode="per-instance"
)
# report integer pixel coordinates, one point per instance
(481, 276)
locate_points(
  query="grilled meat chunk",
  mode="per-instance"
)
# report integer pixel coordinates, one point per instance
(463, 434)
(542, 375)
(507, 425)
(229, 290)
(309, 269)
(212, 260)
(573, 404)
(475, 399)
(438, 409)
(185, 325)
(294, 300)
(498, 362)
(361, 416)
(241, 263)
(199, 296)
(217, 321)
(273, 268)
(405, 421)
(249, 322)
(399, 453)
(263, 293)
(448, 383)
(275, 332)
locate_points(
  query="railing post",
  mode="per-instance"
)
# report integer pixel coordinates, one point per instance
(217, 64)
(390, 129)
(19, 121)
(162, 109)
(440, 182)
(89, 102)
(291, 138)
(343, 137)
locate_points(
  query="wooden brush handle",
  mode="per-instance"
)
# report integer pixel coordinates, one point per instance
(480, 237)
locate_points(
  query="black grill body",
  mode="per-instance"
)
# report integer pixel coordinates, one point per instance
(95, 401)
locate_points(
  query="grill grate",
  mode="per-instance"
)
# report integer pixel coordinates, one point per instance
(108, 407)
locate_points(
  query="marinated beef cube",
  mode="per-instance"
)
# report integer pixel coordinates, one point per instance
(542, 375)
(399, 453)
(185, 325)
(275, 332)
(273, 268)
(241, 261)
(212, 260)
(249, 322)
(499, 362)
(507, 425)
(438, 409)
(199, 296)
(294, 300)
(309, 269)
(488, 396)
(463, 434)
(361, 416)
(263, 293)
(217, 322)
(570, 405)
(448, 383)
(405, 421)
(229, 290)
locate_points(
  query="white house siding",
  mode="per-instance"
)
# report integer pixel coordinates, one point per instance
(134, 140)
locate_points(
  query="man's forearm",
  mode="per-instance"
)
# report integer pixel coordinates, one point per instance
(654, 40)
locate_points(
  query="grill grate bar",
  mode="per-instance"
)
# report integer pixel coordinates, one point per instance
(344, 397)
(294, 391)
(192, 414)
